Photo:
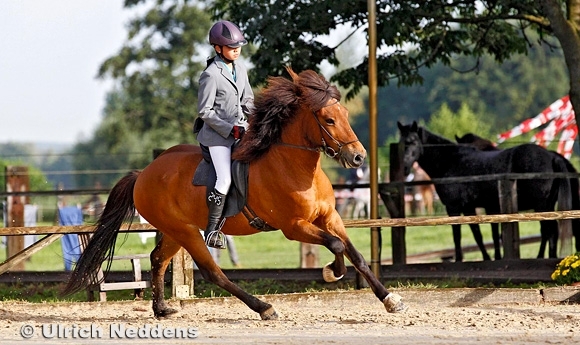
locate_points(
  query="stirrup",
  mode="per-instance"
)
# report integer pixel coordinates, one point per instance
(216, 239)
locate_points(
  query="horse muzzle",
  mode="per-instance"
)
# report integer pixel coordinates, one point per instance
(352, 156)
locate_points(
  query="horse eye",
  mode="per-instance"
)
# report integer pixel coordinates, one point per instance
(329, 122)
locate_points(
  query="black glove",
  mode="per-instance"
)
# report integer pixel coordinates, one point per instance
(238, 132)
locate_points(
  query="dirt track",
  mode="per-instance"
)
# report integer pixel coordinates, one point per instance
(441, 316)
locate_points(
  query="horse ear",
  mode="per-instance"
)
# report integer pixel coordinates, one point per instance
(400, 125)
(414, 126)
(458, 139)
(291, 72)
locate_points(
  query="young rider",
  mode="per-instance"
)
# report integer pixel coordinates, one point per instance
(224, 98)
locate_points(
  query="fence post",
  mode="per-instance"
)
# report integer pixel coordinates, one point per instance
(396, 174)
(309, 255)
(508, 203)
(17, 180)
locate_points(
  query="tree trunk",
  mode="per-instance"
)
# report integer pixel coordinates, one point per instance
(564, 29)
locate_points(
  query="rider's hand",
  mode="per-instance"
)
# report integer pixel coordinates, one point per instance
(238, 132)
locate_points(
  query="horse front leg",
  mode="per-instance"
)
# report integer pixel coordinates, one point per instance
(391, 301)
(340, 245)
(475, 229)
(306, 232)
(160, 258)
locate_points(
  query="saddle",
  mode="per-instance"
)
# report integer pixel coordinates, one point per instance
(236, 198)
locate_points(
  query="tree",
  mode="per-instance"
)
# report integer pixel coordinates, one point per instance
(411, 34)
(154, 102)
(449, 124)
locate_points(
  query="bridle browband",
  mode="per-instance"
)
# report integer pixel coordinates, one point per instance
(328, 150)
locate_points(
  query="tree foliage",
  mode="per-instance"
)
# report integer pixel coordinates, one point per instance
(411, 34)
(502, 94)
(448, 124)
(154, 102)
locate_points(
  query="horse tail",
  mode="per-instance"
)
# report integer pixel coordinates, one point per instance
(118, 209)
(565, 189)
(575, 186)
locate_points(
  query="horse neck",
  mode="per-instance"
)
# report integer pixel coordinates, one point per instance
(436, 154)
(296, 153)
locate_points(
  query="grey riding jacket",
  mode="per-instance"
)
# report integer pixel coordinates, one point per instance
(223, 102)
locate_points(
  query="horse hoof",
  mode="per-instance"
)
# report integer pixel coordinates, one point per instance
(165, 313)
(393, 304)
(328, 274)
(269, 314)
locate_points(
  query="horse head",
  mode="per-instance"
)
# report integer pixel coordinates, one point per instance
(411, 138)
(303, 113)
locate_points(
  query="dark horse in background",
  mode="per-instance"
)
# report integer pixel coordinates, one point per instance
(441, 158)
(293, 122)
(548, 228)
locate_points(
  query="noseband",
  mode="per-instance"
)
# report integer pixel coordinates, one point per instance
(328, 150)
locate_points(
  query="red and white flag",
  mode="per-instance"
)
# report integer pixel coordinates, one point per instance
(560, 118)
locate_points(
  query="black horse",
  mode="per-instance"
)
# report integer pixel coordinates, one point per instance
(548, 228)
(441, 158)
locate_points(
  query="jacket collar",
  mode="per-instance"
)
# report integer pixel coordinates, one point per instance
(224, 70)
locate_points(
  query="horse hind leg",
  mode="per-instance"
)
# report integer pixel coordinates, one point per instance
(194, 243)
(549, 232)
(160, 258)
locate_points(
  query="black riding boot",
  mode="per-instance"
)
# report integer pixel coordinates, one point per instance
(213, 236)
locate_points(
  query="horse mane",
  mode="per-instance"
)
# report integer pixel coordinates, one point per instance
(277, 104)
(476, 141)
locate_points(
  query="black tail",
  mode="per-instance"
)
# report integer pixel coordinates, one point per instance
(101, 247)
(575, 186)
(565, 195)
(568, 197)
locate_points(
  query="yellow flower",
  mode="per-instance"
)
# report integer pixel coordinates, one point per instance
(565, 272)
(575, 264)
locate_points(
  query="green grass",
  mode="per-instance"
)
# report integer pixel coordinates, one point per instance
(273, 250)
(264, 250)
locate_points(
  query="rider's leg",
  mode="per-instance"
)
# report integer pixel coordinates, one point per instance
(221, 158)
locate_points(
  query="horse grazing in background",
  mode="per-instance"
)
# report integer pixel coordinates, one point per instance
(292, 123)
(440, 157)
(548, 228)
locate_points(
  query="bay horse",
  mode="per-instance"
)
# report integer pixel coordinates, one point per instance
(293, 122)
(441, 158)
(548, 228)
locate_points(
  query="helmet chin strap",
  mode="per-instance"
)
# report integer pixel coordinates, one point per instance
(226, 60)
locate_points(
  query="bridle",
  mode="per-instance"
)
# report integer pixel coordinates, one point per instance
(328, 150)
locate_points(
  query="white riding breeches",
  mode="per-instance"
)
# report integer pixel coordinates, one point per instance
(221, 158)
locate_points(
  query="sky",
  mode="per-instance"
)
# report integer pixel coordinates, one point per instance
(50, 53)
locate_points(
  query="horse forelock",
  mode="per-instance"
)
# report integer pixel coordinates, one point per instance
(277, 104)
(315, 90)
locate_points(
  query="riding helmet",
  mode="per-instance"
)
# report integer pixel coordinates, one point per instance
(225, 33)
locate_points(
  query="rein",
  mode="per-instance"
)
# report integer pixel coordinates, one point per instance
(328, 150)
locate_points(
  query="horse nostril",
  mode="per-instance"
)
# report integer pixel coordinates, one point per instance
(358, 160)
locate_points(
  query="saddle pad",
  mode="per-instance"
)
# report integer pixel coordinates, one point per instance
(236, 199)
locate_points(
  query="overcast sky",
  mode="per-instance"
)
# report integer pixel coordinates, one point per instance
(50, 52)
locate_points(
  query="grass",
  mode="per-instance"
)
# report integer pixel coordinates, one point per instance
(273, 250)
(264, 250)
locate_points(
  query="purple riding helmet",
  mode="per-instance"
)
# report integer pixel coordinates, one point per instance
(225, 33)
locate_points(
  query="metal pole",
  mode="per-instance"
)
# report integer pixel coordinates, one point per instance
(373, 153)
